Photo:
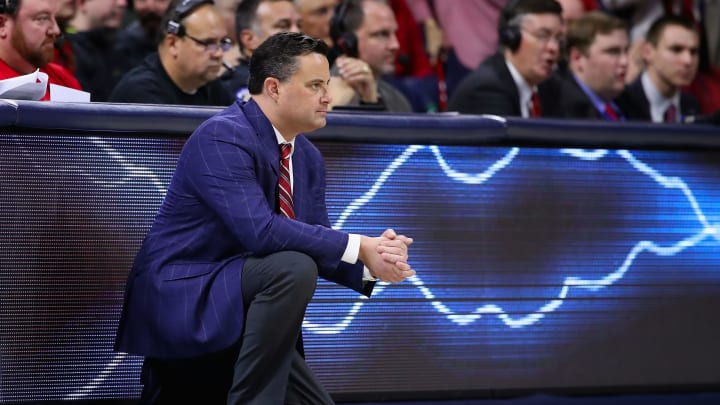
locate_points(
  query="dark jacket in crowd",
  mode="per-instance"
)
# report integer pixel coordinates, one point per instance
(95, 62)
(490, 89)
(635, 101)
(149, 83)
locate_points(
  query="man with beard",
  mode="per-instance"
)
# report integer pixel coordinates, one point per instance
(139, 39)
(91, 34)
(185, 69)
(28, 31)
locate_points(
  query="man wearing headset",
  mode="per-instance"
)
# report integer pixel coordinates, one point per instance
(517, 81)
(184, 71)
(364, 34)
(28, 31)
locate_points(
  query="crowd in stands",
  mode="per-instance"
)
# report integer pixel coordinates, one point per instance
(647, 60)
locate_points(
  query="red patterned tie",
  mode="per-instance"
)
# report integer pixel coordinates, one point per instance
(670, 114)
(284, 189)
(535, 110)
(610, 112)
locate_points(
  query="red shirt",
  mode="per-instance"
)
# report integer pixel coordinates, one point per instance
(56, 75)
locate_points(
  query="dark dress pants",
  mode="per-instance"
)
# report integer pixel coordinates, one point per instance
(265, 368)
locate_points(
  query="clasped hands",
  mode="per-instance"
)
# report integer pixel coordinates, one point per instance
(386, 256)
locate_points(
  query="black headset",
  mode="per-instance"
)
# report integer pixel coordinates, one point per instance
(509, 32)
(345, 42)
(8, 7)
(181, 10)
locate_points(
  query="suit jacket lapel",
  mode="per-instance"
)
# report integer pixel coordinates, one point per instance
(497, 62)
(265, 132)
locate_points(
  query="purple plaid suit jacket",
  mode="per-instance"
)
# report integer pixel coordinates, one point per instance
(183, 297)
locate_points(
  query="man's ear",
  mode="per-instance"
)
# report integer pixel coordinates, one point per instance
(271, 87)
(574, 56)
(4, 25)
(171, 43)
(647, 51)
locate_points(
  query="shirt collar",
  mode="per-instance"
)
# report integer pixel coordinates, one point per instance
(281, 140)
(596, 101)
(658, 103)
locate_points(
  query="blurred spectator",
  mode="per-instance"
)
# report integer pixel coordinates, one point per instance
(185, 68)
(140, 38)
(227, 9)
(315, 16)
(469, 32)
(597, 46)
(411, 57)
(571, 11)
(63, 51)
(517, 80)
(641, 14)
(28, 32)
(91, 34)
(364, 32)
(671, 54)
(255, 21)
(413, 75)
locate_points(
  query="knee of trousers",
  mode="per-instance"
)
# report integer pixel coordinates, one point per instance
(300, 272)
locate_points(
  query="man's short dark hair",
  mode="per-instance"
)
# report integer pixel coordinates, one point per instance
(509, 32)
(582, 32)
(176, 12)
(516, 9)
(277, 57)
(659, 25)
(9, 7)
(245, 16)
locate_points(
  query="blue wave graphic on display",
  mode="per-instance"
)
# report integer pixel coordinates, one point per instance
(708, 231)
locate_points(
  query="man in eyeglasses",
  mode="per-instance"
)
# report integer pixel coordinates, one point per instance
(184, 71)
(518, 80)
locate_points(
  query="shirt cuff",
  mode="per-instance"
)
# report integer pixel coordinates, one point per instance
(352, 251)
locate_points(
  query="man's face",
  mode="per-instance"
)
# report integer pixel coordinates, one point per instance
(604, 66)
(539, 49)
(315, 18)
(674, 60)
(105, 13)
(202, 63)
(571, 11)
(377, 43)
(227, 9)
(66, 10)
(304, 99)
(150, 13)
(34, 31)
(273, 17)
